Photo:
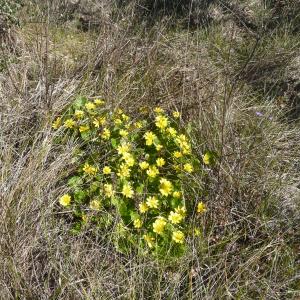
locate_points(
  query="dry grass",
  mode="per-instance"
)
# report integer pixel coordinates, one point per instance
(250, 244)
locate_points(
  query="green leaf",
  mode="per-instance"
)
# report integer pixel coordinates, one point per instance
(80, 102)
(175, 202)
(114, 143)
(115, 201)
(85, 135)
(76, 228)
(122, 209)
(140, 188)
(134, 215)
(80, 196)
(94, 186)
(74, 182)
(189, 128)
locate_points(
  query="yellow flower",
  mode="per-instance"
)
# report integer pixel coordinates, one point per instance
(183, 144)
(149, 240)
(123, 132)
(84, 128)
(65, 200)
(108, 190)
(102, 120)
(197, 232)
(172, 131)
(152, 171)
(129, 159)
(177, 168)
(201, 208)
(176, 194)
(127, 190)
(188, 168)
(123, 148)
(79, 114)
(137, 223)
(99, 121)
(176, 114)
(160, 162)
(105, 134)
(152, 202)
(159, 225)
(165, 187)
(181, 139)
(106, 170)
(144, 165)
(99, 101)
(118, 121)
(84, 218)
(178, 237)
(144, 110)
(158, 110)
(177, 154)
(175, 217)
(181, 210)
(96, 123)
(149, 137)
(186, 148)
(124, 171)
(95, 204)
(69, 123)
(57, 123)
(206, 158)
(158, 147)
(90, 106)
(161, 122)
(90, 170)
(138, 124)
(119, 111)
(125, 117)
(143, 207)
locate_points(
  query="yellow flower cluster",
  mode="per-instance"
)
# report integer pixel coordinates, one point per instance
(146, 164)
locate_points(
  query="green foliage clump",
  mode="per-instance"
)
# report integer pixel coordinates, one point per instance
(9, 9)
(132, 173)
